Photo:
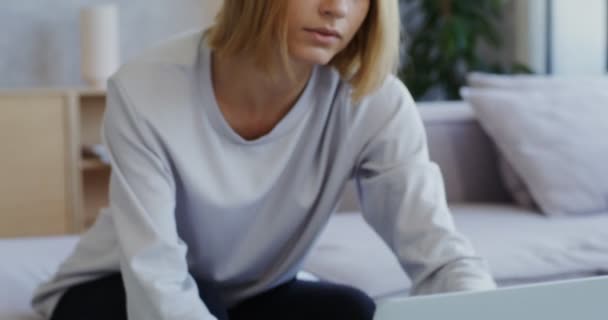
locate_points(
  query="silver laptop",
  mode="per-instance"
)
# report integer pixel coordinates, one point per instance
(582, 299)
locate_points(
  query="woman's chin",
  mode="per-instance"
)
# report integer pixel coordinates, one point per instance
(313, 56)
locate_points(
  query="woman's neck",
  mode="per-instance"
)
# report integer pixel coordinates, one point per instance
(242, 84)
(251, 101)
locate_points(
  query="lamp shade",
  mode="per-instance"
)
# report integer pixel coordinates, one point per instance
(99, 40)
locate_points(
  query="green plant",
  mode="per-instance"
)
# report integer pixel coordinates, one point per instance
(443, 39)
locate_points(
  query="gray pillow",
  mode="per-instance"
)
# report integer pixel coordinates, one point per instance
(534, 82)
(513, 182)
(557, 141)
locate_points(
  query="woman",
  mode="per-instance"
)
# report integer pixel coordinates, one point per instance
(230, 151)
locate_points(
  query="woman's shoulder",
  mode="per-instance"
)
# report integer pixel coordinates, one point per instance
(162, 73)
(379, 106)
(391, 94)
(180, 50)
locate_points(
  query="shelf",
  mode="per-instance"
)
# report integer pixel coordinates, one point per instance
(92, 108)
(93, 164)
(92, 92)
(46, 130)
(82, 91)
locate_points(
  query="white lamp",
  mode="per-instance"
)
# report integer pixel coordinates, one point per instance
(99, 42)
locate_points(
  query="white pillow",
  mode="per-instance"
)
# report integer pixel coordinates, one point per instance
(513, 182)
(556, 140)
(534, 82)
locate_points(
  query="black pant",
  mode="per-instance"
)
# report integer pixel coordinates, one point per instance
(104, 298)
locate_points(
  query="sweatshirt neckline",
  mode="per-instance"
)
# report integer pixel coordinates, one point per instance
(211, 106)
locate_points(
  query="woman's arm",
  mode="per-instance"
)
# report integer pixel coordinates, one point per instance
(142, 203)
(403, 198)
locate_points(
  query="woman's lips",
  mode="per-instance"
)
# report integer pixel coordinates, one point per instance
(324, 36)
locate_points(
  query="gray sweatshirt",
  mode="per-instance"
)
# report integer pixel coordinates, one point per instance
(191, 199)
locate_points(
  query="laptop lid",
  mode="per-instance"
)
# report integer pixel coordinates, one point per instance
(580, 299)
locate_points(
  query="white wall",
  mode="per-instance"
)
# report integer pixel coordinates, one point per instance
(530, 33)
(579, 36)
(39, 41)
(210, 8)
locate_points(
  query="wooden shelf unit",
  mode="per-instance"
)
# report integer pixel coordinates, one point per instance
(94, 174)
(92, 164)
(46, 186)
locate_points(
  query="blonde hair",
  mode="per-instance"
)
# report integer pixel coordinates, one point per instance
(369, 58)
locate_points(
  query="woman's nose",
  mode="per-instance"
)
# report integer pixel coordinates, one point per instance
(334, 8)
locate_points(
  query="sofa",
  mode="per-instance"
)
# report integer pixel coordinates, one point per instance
(521, 245)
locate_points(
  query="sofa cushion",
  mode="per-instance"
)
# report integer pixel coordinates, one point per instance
(552, 139)
(513, 182)
(463, 151)
(520, 246)
(26, 263)
(350, 252)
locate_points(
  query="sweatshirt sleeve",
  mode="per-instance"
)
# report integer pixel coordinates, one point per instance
(142, 201)
(403, 198)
